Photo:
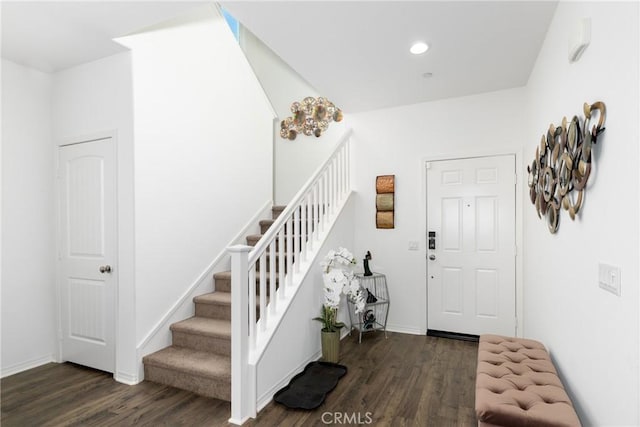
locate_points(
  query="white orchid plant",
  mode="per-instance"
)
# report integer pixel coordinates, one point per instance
(339, 279)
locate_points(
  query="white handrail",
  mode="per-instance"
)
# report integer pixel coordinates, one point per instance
(279, 258)
(268, 236)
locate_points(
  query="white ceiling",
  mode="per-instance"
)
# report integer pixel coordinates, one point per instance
(51, 36)
(355, 53)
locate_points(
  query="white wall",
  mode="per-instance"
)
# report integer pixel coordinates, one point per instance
(298, 329)
(203, 154)
(90, 99)
(592, 335)
(397, 142)
(28, 245)
(295, 161)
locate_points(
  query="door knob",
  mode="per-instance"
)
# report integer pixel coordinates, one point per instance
(105, 269)
(432, 257)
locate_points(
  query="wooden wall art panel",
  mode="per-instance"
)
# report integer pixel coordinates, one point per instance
(385, 190)
(559, 173)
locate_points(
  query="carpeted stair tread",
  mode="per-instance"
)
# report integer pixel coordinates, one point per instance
(204, 326)
(224, 275)
(223, 280)
(218, 297)
(186, 360)
(276, 210)
(255, 237)
(252, 239)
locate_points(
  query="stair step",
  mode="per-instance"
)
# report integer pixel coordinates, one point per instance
(223, 281)
(214, 305)
(265, 224)
(253, 239)
(217, 305)
(201, 372)
(204, 334)
(277, 210)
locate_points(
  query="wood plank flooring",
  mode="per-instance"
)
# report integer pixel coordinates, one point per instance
(405, 380)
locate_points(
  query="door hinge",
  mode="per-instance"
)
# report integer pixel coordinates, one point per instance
(515, 179)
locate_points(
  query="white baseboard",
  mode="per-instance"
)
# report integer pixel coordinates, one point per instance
(128, 379)
(267, 397)
(26, 365)
(238, 422)
(405, 329)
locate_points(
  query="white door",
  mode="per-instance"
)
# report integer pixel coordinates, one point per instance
(87, 191)
(471, 257)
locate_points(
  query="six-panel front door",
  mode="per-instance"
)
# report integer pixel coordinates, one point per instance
(87, 251)
(471, 269)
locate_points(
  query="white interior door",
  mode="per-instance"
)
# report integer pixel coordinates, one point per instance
(87, 192)
(471, 258)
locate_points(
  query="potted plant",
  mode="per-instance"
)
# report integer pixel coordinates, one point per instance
(338, 278)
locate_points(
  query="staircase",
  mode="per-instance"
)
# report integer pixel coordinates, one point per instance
(199, 360)
(270, 270)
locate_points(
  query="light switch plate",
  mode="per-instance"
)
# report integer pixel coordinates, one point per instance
(413, 245)
(609, 278)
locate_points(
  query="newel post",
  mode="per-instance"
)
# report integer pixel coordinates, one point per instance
(243, 381)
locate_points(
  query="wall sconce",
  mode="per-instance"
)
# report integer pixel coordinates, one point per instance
(310, 117)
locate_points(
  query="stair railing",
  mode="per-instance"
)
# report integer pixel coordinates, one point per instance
(275, 267)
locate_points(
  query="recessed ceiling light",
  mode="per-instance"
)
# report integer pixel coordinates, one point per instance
(419, 48)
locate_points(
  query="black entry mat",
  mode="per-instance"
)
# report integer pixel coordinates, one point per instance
(308, 389)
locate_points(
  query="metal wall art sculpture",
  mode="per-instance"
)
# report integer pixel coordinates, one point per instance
(310, 117)
(558, 175)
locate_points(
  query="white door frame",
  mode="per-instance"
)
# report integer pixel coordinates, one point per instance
(519, 225)
(72, 141)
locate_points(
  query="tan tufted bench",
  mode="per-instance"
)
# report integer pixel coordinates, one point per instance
(517, 385)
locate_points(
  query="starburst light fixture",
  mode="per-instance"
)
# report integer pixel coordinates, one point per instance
(310, 117)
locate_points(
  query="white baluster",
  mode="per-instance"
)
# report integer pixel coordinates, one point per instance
(334, 187)
(309, 198)
(303, 228)
(289, 254)
(316, 208)
(272, 277)
(295, 256)
(281, 243)
(263, 291)
(340, 168)
(346, 166)
(252, 307)
(321, 203)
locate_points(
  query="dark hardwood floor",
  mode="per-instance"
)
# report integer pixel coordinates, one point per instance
(405, 380)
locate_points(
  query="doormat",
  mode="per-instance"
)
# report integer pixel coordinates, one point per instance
(308, 389)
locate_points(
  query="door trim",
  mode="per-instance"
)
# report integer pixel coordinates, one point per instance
(99, 136)
(518, 156)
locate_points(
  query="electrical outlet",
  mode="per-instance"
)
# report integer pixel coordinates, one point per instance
(413, 245)
(609, 278)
